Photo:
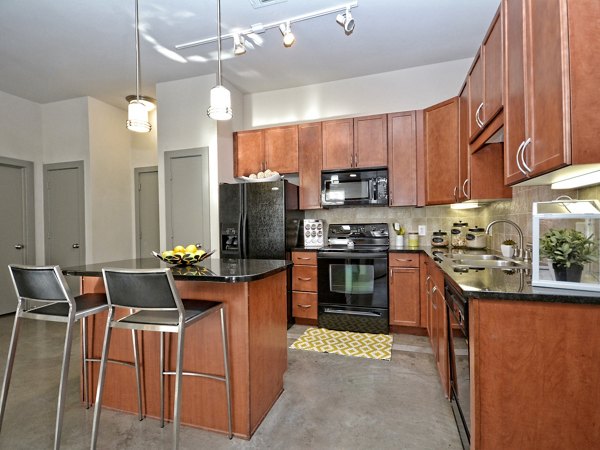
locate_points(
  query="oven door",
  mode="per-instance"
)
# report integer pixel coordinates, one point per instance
(353, 279)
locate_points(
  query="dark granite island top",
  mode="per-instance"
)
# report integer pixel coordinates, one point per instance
(211, 269)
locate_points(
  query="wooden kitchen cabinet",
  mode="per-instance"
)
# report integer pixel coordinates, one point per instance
(485, 81)
(271, 148)
(551, 79)
(355, 143)
(405, 290)
(310, 162)
(304, 286)
(441, 153)
(402, 158)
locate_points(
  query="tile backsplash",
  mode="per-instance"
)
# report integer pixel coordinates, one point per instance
(518, 210)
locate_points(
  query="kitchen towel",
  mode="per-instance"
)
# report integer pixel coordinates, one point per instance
(346, 343)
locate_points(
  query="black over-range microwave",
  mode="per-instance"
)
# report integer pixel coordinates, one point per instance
(354, 188)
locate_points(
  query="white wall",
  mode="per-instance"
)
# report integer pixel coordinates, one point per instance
(21, 138)
(400, 90)
(184, 125)
(111, 184)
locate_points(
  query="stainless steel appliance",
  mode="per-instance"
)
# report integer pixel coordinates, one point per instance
(353, 278)
(354, 188)
(314, 231)
(259, 220)
(458, 341)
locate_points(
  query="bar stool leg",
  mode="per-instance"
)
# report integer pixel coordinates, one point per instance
(101, 376)
(178, 376)
(226, 367)
(64, 375)
(86, 392)
(12, 349)
(136, 357)
(162, 379)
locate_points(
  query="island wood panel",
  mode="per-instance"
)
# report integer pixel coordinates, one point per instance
(534, 375)
(256, 345)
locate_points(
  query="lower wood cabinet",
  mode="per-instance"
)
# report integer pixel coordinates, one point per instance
(304, 285)
(404, 289)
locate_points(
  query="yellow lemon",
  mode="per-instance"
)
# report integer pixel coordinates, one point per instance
(167, 253)
(200, 253)
(191, 248)
(179, 254)
(178, 249)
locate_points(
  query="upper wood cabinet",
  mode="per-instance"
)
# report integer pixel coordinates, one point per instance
(310, 154)
(402, 158)
(441, 153)
(355, 143)
(551, 100)
(271, 148)
(484, 84)
(463, 145)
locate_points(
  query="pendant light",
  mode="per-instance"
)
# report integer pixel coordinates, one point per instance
(137, 113)
(220, 97)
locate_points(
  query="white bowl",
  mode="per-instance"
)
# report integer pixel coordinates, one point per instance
(260, 180)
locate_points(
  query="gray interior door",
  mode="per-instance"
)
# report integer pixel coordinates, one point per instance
(187, 197)
(64, 216)
(146, 205)
(16, 244)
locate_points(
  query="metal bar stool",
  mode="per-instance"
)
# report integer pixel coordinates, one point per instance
(47, 288)
(157, 306)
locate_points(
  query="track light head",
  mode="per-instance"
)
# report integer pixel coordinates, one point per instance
(346, 20)
(288, 36)
(239, 44)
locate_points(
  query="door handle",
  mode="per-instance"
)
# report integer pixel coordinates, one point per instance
(518, 155)
(477, 119)
(464, 188)
(75, 245)
(525, 166)
(19, 246)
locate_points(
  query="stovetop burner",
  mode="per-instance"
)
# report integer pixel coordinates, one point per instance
(370, 237)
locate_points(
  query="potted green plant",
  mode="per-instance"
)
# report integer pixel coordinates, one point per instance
(508, 248)
(568, 250)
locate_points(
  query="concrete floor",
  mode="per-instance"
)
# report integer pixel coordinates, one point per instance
(329, 402)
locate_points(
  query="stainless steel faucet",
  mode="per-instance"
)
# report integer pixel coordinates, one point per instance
(519, 251)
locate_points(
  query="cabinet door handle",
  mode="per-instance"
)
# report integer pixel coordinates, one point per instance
(464, 188)
(525, 166)
(403, 260)
(356, 160)
(518, 156)
(302, 257)
(304, 279)
(304, 306)
(434, 289)
(477, 119)
(454, 194)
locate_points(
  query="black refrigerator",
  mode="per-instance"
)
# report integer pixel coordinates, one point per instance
(260, 221)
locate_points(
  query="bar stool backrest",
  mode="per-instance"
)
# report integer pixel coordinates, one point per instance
(43, 283)
(142, 289)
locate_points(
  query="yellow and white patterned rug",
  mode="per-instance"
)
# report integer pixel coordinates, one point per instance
(363, 345)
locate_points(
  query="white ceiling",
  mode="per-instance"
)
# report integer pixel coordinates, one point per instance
(61, 49)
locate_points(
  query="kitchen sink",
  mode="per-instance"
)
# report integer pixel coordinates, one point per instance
(479, 258)
(499, 263)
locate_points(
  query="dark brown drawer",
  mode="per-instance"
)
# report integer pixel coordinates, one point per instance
(304, 278)
(304, 305)
(304, 258)
(403, 260)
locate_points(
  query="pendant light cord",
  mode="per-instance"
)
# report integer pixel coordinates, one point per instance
(137, 53)
(218, 40)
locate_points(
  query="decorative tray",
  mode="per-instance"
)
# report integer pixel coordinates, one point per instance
(183, 259)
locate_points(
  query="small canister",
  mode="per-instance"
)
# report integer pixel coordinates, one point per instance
(458, 234)
(476, 238)
(439, 239)
(413, 239)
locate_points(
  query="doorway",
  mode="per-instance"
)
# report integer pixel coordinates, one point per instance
(17, 240)
(64, 216)
(187, 200)
(147, 235)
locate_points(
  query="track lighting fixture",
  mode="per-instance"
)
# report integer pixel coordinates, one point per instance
(239, 44)
(288, 36)
(346, 20)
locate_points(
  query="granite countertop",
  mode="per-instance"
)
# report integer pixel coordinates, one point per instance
(211, 269)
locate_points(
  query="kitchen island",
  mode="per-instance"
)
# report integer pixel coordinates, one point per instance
(255, 295)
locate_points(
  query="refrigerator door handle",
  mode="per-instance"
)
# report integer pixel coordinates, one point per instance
(243, 236)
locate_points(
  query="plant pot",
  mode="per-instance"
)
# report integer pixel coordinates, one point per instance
(507, 250)
(571, 274)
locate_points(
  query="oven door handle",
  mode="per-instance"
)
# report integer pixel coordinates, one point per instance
(351, 255)
(352, 313)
